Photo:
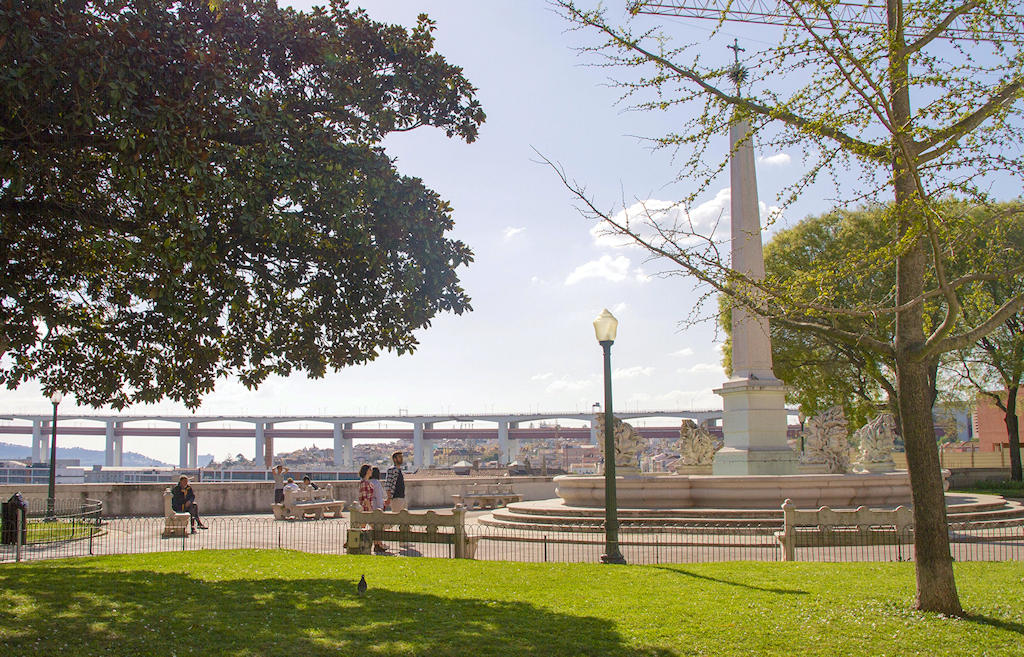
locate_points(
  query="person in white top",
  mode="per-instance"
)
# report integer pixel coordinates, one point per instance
(378, 503)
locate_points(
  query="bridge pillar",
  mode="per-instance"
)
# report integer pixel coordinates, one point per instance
(268, 448)
(40, 452)
(593, 431)
(261, 446)
(193, 449)
(183, 430)
(418, 458)
(503, 442)
(114, 444)
(342, 445)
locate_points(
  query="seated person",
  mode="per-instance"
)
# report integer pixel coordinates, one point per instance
(291, 485)
(183, 500)
(307, 484)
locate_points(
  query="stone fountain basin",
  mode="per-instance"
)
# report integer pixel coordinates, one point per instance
(681, 491)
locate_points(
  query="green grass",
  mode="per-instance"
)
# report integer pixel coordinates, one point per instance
(1007, 488)
(40, 531)
(282, 603)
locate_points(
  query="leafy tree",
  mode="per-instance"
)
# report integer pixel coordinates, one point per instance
(994, 366)
(189, 193)
(821, 371)
(841, 85)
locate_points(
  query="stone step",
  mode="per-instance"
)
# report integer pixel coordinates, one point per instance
(984, 511)
(543, 509)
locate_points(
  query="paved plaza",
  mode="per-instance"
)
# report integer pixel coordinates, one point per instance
(639, 546)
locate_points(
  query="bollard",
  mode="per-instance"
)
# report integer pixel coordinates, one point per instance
(17, 541)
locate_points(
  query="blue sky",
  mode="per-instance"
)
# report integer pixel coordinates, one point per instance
(540, 275)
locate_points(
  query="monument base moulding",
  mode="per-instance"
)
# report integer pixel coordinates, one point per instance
(754, 428)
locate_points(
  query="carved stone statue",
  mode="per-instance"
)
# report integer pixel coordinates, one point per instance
(696, 446)
(825, 441)
(876, 440)
(628, 444)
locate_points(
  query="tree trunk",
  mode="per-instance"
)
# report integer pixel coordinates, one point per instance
(1013, 432)
(936, 587)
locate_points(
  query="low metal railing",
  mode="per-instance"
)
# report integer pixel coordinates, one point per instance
(695, 543)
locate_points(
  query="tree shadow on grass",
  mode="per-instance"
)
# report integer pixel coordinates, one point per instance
(998, 623)
(767, 589)
(141, 612)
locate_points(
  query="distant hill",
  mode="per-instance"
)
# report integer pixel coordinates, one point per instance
(92, 456)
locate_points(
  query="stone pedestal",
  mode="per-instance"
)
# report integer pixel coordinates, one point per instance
(754, 427)
(875, 466)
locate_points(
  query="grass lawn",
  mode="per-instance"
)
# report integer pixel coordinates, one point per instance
(281, 604)
(40, 531)
(1007, 488)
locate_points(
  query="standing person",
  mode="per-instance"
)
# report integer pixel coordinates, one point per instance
(278, 473)
(183, 500)
(378, 489)
(394, 484)
(365, 488)
(375, 501)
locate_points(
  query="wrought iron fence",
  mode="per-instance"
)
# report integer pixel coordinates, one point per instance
(976, 541)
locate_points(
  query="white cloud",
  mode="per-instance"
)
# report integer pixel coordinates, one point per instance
(702, 399)
(566, 385)
(685, 351)
(542, 377)
(770, 214)
(684, 227)
(700, 368)
(777, 160)
(612, 269)
(632, 372)
(510, 232)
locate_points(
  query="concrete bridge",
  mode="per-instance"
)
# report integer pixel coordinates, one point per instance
(343, 429)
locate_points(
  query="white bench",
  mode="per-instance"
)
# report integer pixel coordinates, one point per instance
(827, 527)
(488, 496)
(175, 524)
(360, 540)
(311, 502)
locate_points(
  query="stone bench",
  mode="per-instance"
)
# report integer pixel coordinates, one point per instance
(488, 496)
(310, 503)
(398, 526)
(175, 524)
(827, 527)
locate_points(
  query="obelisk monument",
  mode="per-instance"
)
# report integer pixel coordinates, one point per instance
(754, 414)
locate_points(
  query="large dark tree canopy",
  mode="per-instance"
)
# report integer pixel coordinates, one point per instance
(191, 193)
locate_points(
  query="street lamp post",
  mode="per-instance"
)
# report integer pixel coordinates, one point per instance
(605, 327)
(56, 398)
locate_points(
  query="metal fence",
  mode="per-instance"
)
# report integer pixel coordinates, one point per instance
(977, 541)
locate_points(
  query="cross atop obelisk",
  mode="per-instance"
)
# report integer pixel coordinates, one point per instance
(738, 72)
(754, 414)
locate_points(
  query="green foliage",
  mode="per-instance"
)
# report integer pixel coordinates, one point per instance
(845, 259)
(1006, 488)
(41, 531)
(281, 602)
(188, 193)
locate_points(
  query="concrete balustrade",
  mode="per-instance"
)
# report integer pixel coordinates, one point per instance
(255, 497)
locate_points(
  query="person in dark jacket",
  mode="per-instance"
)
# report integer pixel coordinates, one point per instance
(183, 500)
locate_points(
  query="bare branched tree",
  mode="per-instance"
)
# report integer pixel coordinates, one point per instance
(886, 104)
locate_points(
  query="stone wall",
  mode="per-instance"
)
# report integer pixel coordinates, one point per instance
(255, 497)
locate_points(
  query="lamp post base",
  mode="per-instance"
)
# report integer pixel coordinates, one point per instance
(615, 557)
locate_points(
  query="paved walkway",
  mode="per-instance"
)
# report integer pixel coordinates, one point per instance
(667, 545)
